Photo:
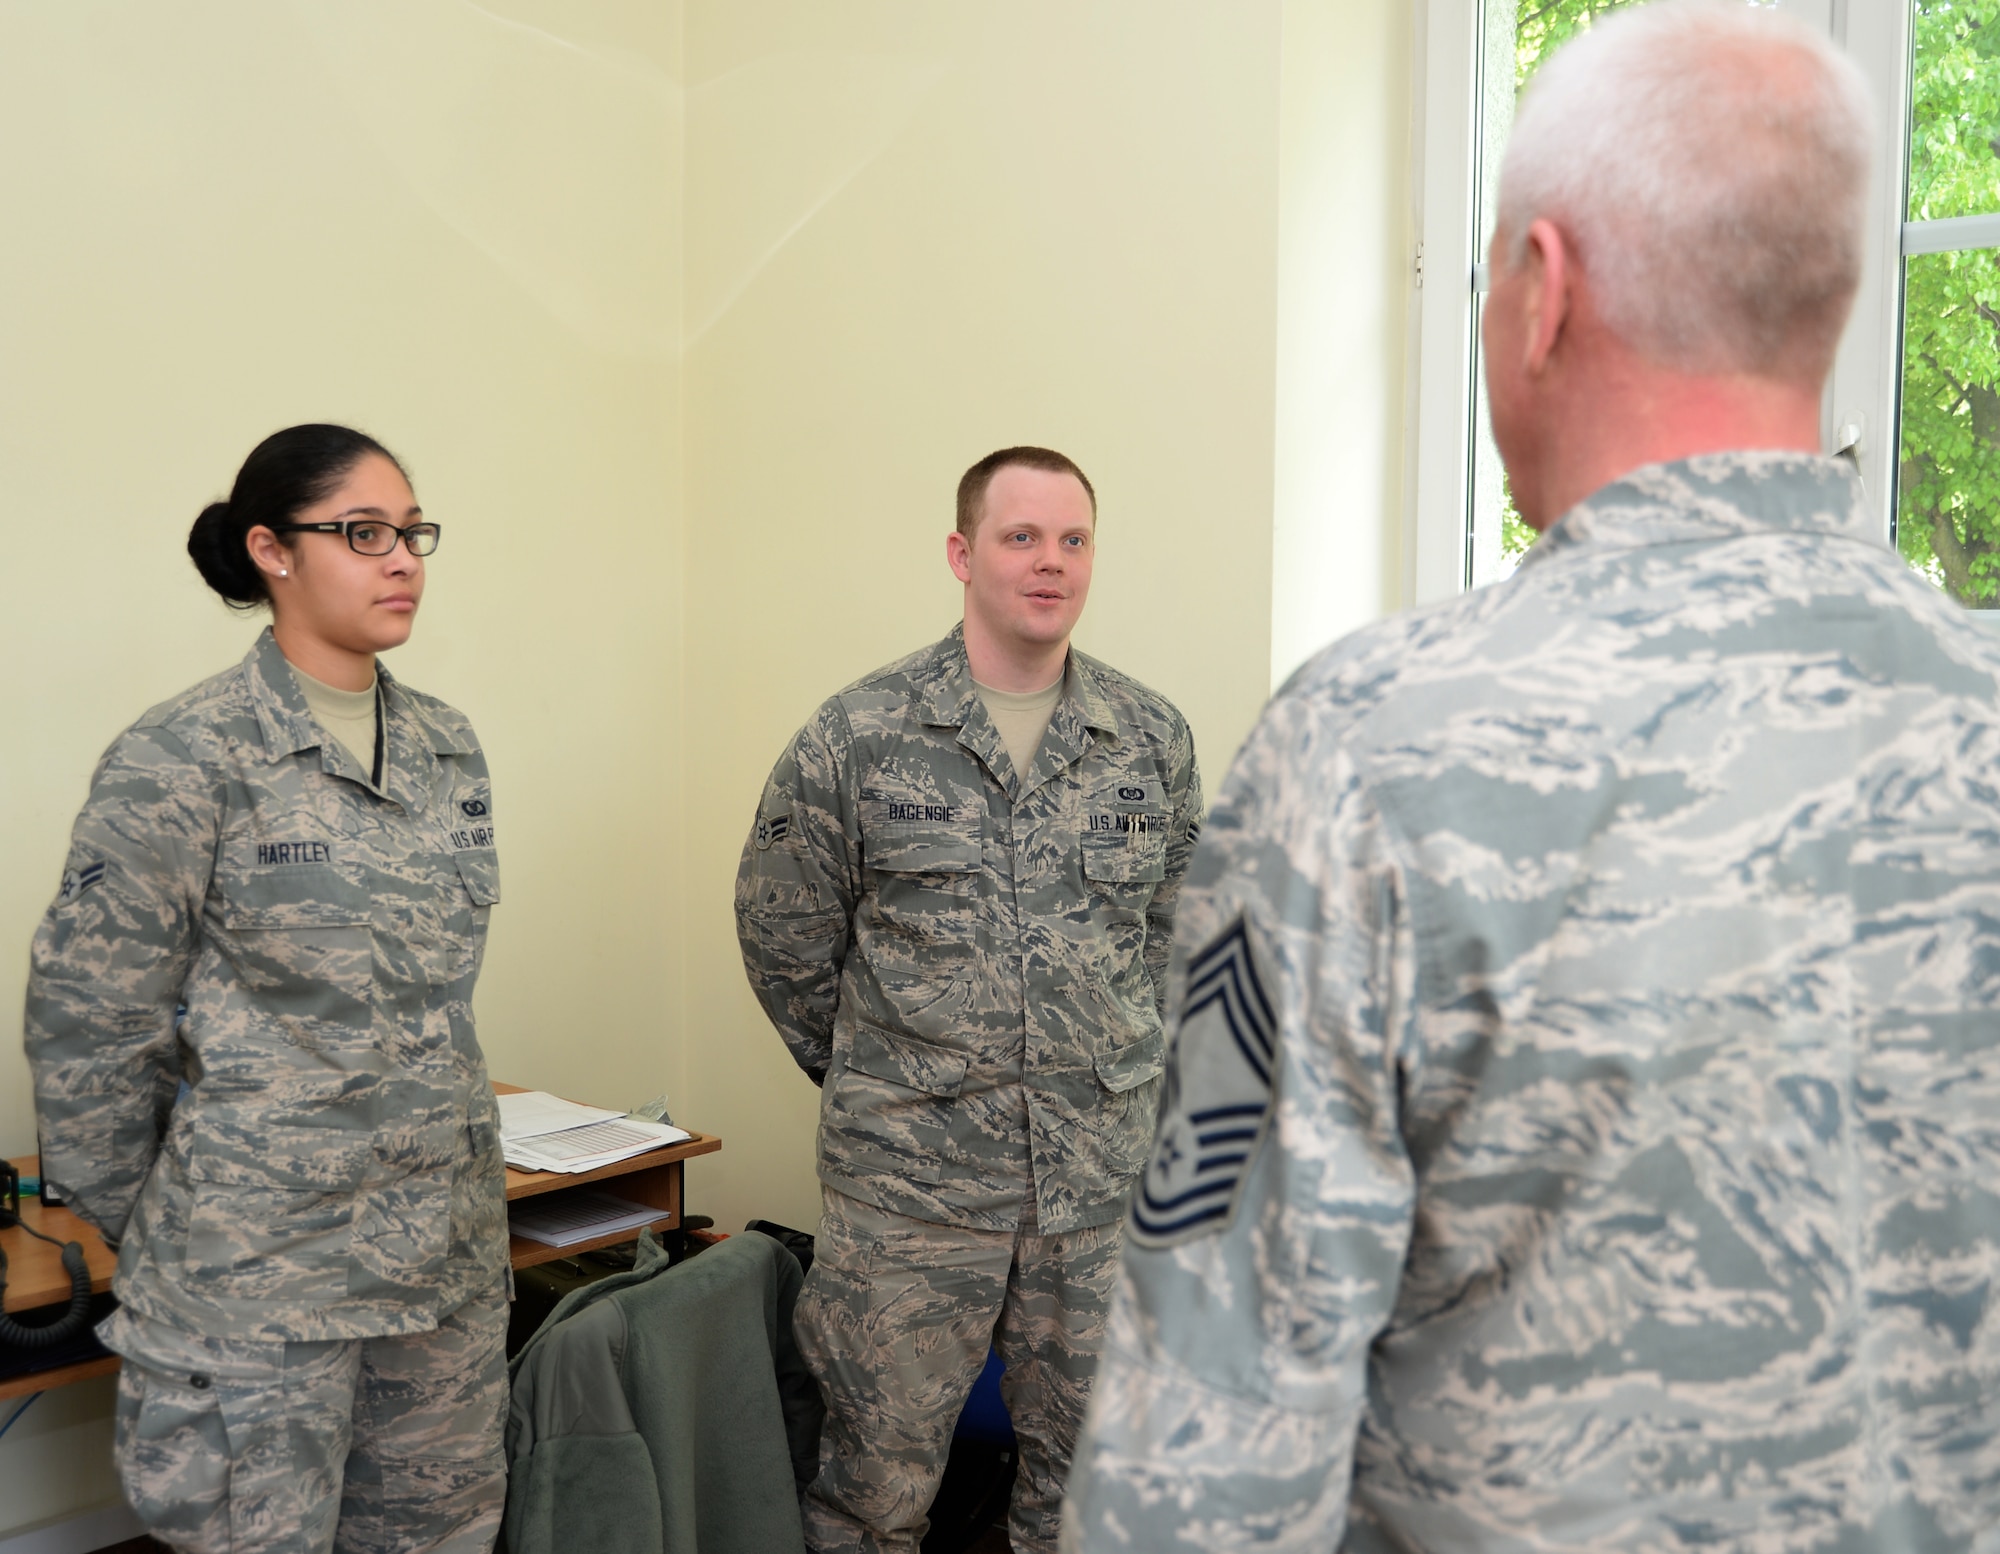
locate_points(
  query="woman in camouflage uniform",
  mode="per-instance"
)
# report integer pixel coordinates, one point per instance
(302, 1171)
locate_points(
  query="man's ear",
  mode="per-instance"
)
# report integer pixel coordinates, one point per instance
(1551, 275)
(958, 556)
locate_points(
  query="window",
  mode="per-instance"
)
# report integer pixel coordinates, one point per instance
(1914, 398)
(1947, 486)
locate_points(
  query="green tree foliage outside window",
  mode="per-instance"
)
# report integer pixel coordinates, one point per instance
(1948, 496)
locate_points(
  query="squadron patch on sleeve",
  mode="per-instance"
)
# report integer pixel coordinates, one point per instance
(1217, 1100)
(772, 829)
(76, 881)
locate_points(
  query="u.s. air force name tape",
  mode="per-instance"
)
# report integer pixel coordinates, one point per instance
(1217, 1101)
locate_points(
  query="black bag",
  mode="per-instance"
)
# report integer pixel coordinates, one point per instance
(972, 1496)
(797, 1242)
(540, 1289)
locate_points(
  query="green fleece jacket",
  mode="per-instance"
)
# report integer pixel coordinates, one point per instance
(666, 1411)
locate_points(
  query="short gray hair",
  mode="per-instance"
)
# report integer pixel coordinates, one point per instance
(1709, 163)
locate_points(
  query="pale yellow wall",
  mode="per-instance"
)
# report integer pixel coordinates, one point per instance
(917, 232)
(1346, 244)
(456, 226)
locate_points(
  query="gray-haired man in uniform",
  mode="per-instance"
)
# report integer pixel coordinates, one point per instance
(1604, 966)
(956, 905)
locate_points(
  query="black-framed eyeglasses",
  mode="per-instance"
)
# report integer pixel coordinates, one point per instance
(371, 536)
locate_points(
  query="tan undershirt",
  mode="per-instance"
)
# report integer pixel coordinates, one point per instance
(1022, 717)
(347, 715)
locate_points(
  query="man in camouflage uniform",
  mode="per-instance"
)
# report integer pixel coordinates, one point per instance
(1579, 1131)
(960, 928)
(302, 1174)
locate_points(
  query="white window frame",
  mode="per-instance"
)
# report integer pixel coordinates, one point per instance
(1859, 414)
(1446, 101)
(1860, 410)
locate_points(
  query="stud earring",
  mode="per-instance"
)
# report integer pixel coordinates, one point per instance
(283, 573)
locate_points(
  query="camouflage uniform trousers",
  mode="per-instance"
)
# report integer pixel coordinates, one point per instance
(896, 1319)
(365, 1445)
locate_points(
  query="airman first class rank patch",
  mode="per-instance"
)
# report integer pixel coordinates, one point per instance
(772, 829)
(1217, 1100)
(76, 881)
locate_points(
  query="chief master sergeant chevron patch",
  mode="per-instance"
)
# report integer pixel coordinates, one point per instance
(1217, 1098)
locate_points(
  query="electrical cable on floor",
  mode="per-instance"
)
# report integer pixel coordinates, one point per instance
(4, 1428)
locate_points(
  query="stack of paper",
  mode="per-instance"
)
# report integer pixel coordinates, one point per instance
(577, 1214)
(542, 1132)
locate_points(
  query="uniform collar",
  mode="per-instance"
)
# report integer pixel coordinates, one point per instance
(1716, 496)
(946, 697)
(282, 715)
(287, 725)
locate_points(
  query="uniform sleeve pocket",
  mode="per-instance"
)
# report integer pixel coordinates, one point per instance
(904, 1060)
(1128, 1067)
(480, 869)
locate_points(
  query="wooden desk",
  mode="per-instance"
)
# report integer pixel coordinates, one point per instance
(653, 1179)
(35, 1277)
(35, 1274)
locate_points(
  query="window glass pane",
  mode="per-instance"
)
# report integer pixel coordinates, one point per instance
(1948, 455)
(1948, 482)
(1955, 109)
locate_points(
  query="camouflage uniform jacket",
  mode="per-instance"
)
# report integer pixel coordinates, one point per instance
(1580, 1127)
(972, 959)
(333, 1169)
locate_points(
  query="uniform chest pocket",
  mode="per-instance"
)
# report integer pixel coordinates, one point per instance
(1124, 865)
(921, 883)
(299, 938)
(906, 830)
(924, 877)
(300, 895)
(1125, 845)
(1125, 860)
(922, 850)
(1125, 832)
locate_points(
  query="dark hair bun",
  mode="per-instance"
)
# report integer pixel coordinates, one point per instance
(222, 558)
(285, 474)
